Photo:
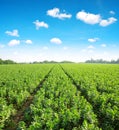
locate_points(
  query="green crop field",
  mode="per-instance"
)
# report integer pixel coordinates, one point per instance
(59, 97)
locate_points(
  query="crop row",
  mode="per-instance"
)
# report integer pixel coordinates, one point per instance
(71, 97)
(17, 83)
(100, 86)
(58, 105)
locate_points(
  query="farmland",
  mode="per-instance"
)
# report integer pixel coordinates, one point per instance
(59, 97)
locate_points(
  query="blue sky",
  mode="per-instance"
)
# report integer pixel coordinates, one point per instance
(76, 30)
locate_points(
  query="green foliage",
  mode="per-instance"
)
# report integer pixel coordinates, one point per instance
(58, 105)
(77, 97)
(7, 62)
(103, 61)
(99, 84)
(17, 82)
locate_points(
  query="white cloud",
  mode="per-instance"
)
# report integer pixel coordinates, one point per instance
(14, 42)
(28, 42)
(103, 45)
(13, 33)
(88, 17)
(55, 12)
(93, 39)
(56, 41)
(91, 47)
(107, 22)
(112, 12)
(40, 24)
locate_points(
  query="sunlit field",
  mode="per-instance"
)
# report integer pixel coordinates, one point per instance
(59, 96)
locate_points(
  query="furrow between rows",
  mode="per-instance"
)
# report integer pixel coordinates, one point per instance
(20, 112)
(78, 88)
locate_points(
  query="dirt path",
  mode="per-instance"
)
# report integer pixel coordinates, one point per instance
(84, 95)
(20, 113)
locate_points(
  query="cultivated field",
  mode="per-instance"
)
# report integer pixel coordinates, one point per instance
(59, 97)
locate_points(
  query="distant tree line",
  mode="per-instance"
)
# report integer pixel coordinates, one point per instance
(36, 62)
(103, 61)
(51, 62)
(7, 62)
